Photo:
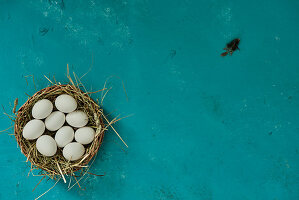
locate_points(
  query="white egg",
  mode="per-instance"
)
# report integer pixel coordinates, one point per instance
(65, 103)
(46, 145)
(64, 136)
(55, 121)
(33, 129)
(84, 135)
(42, 109)
(73, 151)
(77, 119)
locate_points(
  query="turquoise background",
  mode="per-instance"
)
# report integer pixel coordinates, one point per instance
(204, 127)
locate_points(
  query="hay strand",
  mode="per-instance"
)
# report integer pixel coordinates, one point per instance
(15, 105)
(47, 190)
(61, 172)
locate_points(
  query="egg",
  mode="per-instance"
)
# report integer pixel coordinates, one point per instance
(33, 129)
(84, 135)
(65, 103)
(42, 109)
(55, 121)
(64, 135)
(73, 151)
(46, 145)
(77, 119)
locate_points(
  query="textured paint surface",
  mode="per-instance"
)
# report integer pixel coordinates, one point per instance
(204, 127)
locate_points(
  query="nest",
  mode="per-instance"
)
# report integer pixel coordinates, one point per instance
(57, 164)
(57, 167)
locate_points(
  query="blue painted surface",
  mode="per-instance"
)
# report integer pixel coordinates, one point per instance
(204, 127)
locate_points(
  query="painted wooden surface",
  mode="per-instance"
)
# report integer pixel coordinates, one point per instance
(204, 127)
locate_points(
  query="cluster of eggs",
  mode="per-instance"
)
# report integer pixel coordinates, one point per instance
(76, 127)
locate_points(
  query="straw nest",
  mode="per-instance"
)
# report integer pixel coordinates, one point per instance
(57, 164)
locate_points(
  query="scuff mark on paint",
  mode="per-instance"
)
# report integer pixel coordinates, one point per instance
(202, 191)
(130, 41)
(105, 156)
(165, 193)
(172, 53)
(277, 38)
(213, 104)
(226, 15)
(58, 3)
(43, 31)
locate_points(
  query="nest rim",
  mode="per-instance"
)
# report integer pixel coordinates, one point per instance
(66, 167)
